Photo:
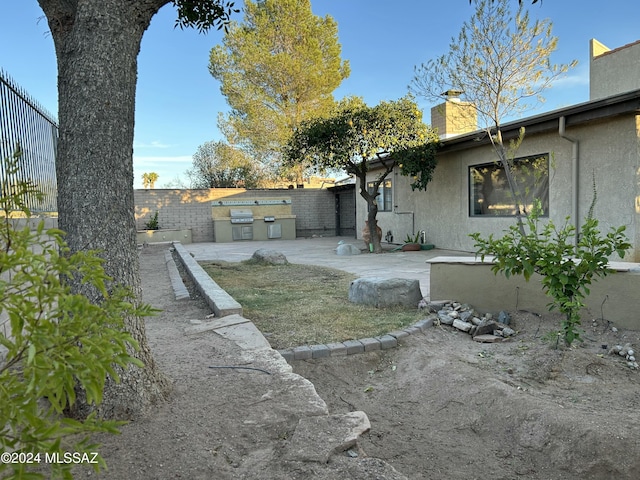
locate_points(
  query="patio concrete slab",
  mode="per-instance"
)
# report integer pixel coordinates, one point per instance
(322, 251)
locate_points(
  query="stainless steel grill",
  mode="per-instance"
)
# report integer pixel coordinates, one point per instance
(241, 215)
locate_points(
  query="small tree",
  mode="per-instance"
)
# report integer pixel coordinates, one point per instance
(498, 63)
(220, 165)
(391, 134)
(567, 267)
(56, 339)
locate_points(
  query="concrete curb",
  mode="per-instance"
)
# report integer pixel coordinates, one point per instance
(218, 299)
(179, 288)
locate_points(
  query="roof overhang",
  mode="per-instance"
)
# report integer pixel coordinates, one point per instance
(342, 188)
(582, 113)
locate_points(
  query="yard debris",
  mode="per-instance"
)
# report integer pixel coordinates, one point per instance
(627, 353)
(484, 329)
(481, 327)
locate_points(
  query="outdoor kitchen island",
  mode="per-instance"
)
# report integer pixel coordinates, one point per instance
(253, 219)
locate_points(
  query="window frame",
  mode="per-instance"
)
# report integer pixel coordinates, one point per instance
(473, 200)
(385, 192)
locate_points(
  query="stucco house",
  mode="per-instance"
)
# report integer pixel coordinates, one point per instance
(570, 147)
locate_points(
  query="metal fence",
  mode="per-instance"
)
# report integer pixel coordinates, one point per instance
(26, 126)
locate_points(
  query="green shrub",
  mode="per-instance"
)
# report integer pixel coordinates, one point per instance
(152, 224)
(567, 268)
(58, 341)
(414, 239)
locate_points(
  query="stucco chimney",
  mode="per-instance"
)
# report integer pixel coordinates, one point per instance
(613, 71)
(454, 117)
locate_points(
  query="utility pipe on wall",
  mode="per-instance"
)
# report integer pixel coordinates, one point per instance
(574, 175)
(413, 219)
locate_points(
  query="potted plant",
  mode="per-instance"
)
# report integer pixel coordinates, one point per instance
(412, 243)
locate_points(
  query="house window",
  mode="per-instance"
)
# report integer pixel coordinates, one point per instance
(384, 198)
(489, 193)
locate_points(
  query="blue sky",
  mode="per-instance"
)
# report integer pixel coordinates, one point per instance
(178, 101)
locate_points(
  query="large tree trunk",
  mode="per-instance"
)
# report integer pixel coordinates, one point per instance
(97, 44)
(372, 206)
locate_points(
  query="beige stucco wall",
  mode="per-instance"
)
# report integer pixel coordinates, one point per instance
(613, 297)
(613, 71)
(610, 150)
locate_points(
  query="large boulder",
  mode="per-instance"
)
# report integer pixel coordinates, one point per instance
(385, 292)
(272, 257)
(347, 249)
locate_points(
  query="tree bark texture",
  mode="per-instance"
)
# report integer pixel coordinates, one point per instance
(97, 45)
(372, 206)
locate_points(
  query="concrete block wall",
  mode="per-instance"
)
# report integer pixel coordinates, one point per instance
(348, 214)
(315, 212)
(314, 209)
(176, 209)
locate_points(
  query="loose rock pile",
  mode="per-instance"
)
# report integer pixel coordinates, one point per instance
(488, 328)
(626, 352)
(483, 328)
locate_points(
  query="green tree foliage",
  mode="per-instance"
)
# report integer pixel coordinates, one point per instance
(203, 14)
(277, 68)
(500, 63)
(220, 165)
(56, 339)
(567, 267)
(356, 136)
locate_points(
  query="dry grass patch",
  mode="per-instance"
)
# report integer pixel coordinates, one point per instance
(304, 305)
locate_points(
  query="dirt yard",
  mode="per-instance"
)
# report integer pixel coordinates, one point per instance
(441, 406)
(444, 406)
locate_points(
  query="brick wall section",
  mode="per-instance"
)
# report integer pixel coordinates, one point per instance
(314, 208)
(315, 212)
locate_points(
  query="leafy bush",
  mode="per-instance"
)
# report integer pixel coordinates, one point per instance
(567, 268)
(57, 340)
(152, 224)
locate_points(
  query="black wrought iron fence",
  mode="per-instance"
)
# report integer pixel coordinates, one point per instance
(26, 126)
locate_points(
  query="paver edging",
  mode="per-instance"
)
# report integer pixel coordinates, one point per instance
(353, 347)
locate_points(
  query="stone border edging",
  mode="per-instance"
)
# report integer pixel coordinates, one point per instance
(179, 288)
(218, 299)
(214, 293)
(318, 435)
(351, 347)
